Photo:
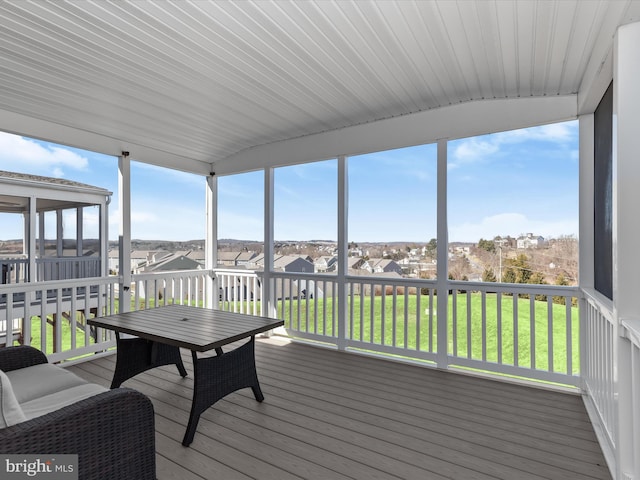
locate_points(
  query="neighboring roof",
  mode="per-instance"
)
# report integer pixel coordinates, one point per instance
(286, 260)
(50, 192)
(215, 86)
(50, 181)
(172, 262)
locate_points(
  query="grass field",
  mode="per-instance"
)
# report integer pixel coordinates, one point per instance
(514, 333)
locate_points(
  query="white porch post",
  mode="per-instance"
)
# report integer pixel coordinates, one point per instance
(124, 237)
(626, 231)
(211, 240)
(79, 229)
(30, 234)
(586, 223)
(443, 257)
(268, 293)
(104, 237)
(343, 250)
(59, 233)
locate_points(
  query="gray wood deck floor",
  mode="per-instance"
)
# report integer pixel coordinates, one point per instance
(331, 415)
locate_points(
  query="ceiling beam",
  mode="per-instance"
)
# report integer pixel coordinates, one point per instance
(455, 121)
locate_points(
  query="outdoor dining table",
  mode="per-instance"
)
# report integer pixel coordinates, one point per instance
(161, 332)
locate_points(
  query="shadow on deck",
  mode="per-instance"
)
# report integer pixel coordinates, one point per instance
(331, 415)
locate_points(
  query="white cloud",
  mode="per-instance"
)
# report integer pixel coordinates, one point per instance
(29, 156)
(513, 224)
(474, 148)
(478, 148)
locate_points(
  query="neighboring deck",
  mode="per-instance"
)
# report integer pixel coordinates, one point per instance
(331, 415)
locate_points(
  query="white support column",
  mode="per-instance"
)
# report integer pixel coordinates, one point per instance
(124, 237)
(31, 236)
(41, 233)
(59, 234)
(268, 293)
(586, 227)
(443, 257)
(626, 231)
(211, 240)
(79, 231)
(343, 250)
(104, 237)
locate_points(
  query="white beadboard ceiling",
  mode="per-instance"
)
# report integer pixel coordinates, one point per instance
(194, 84)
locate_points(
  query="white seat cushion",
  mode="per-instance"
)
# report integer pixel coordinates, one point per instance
(40, 380)
(55, 401)
(10, 410)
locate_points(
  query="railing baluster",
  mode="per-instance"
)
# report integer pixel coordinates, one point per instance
(516, 353)
(469, 327)
(454, 316)
(499, 326)
(484, 325)
(569, 336)
(550, 332)
(532, 329)
(372, 310)
(394, 317)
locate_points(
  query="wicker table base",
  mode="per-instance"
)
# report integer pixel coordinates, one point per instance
(216, 377)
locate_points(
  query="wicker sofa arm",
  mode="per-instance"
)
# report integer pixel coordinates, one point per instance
(13, 358)
(113, 434)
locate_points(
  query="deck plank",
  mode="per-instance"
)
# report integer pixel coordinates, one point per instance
(333, 415)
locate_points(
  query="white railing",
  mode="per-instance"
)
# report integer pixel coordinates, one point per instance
(528, 331)
(64, 268)
(15, 270)
(525, 330)
(239, 291)
(52, 316)
(630, 379)
(183, 287)
(598, 365)
(308, 305)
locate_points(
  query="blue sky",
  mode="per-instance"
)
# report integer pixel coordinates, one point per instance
(501, 184)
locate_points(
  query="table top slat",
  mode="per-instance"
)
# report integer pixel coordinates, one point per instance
(193, 328)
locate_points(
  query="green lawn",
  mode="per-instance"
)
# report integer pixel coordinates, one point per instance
(420, 331)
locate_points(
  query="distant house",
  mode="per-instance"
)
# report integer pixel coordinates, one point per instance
(356, 263)
(384, 265)
(198, 256)
(170, 262)
(291, 263)
(529, 241)
(244, 258)
(326, 263)
(227, 259)
(236, 259)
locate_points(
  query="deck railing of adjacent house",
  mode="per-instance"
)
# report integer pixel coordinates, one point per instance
(527, 331)
(15, 270)
(64, 268)
(52, 315)
(58, 326)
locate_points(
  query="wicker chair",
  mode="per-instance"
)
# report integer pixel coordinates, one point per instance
(112, 433)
